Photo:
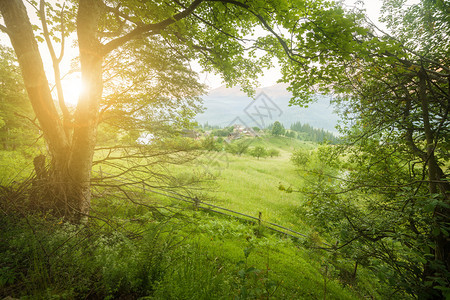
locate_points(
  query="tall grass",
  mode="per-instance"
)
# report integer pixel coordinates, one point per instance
(131, 252)
(250, 185)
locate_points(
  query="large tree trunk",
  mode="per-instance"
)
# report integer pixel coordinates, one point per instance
(68, 180)
(87, 113)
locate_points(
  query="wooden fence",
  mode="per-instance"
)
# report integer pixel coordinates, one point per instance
(197, 204)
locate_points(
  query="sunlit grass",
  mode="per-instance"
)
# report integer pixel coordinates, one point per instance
(247, 185)
(202, 254)
(250, 185)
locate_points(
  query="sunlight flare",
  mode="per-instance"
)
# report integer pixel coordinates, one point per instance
(72, 88)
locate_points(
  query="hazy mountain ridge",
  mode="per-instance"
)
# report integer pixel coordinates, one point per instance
(227, 106)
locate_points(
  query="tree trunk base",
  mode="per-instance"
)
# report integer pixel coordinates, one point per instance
(53, 192)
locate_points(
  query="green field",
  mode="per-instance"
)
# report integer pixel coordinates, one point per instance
(176, 252)
(250, 185)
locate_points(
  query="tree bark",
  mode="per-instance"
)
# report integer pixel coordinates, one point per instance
(437, 184)
(20, 31)
(87, 112)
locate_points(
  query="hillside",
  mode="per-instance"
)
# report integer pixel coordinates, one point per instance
(227, 106)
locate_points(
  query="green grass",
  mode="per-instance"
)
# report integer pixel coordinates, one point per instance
(250, 185)
(15, 166)
(289, 267)
(191, 255)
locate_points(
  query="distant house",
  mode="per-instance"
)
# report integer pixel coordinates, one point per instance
(240, 131)
(249, 132)
(238, 128)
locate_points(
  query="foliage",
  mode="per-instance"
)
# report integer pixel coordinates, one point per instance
(389, 205)
(273, 152)
(158, 100)
(16, 116)
(308, 133)
(225, 132)
(258, 152)
(382, 226)
(300, 158)
(44, 257)
(277, 128)
(238, 147)
(290, 134)
(211, 144)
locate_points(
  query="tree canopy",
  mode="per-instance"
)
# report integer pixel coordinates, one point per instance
(132, 53)
(392, 90)
(277, 128)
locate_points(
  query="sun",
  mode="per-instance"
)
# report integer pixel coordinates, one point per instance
(72, 87)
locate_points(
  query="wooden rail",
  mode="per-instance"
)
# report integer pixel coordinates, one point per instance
(198, 204)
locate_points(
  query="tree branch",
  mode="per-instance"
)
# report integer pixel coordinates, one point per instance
(412, 51)
(150, 28)
(118, 13)
(4, 29)
(66, 114)
(61, 53)
(266, 25)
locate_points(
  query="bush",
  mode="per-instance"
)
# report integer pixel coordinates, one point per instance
(238, 148)
(48, 258)
(258, 152)
(273, 152)
(210, 144)
(300, 158)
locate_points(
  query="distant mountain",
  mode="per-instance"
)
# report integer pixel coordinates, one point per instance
(228, 106)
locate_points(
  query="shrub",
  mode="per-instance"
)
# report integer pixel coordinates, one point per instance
(273, 152)
(238, 148)
(258, 152)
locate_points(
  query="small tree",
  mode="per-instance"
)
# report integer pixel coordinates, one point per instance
(258, 151)
(290, 134)
(300, 158)
(273, 152)
(210, 144)
(238, 148)
(277, 128)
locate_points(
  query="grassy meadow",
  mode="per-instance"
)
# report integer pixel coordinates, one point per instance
(168, 250)
(251, 185)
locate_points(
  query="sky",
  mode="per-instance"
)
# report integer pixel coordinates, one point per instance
(72, 84)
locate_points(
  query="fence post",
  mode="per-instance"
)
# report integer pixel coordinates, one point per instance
(100, 171)
(143, 187)
(259, 218)
(196, 203)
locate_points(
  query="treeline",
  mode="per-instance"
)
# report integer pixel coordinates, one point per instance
(308, 133)
(237, 147)
(206, 126)
(303, 132)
